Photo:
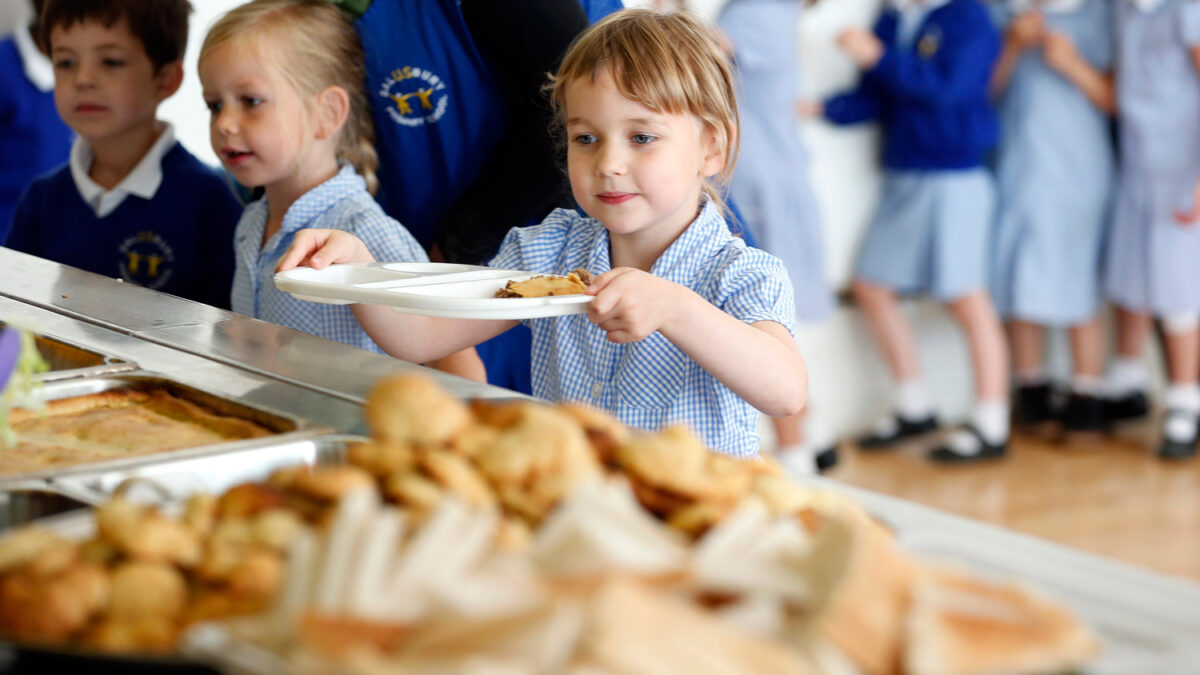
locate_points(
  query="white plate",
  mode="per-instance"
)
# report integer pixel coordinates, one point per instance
(429, 289)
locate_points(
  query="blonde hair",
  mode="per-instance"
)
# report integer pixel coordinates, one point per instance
(319, 48)
(666, 61)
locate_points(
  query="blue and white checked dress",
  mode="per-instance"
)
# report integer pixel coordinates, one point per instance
(652, 383)
(340, 203)
(1153, 263)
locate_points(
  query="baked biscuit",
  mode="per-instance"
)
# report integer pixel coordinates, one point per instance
(413, 409)
(575, 283)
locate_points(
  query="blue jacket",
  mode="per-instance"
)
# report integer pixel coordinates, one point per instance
(932, 99)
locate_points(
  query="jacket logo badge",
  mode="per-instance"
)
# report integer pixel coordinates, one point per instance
(417, 96)
(146, 260)
(929, 45)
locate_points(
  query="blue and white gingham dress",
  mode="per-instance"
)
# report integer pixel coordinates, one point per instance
(340, 203)
(652, 383)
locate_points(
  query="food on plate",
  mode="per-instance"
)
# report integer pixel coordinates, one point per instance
(116, 423)
(575, 283)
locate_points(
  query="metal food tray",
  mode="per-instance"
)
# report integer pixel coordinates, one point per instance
(175, 480)
(68, 360)
(287, 427)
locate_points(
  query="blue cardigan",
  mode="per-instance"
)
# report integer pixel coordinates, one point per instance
(932, 99)
(180, 241)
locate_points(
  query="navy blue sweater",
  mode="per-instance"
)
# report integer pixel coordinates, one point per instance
(932, 99)
(178, 242)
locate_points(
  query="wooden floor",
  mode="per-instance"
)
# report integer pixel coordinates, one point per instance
(1112, 498)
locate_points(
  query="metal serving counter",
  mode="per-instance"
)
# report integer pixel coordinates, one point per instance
(1148, 622)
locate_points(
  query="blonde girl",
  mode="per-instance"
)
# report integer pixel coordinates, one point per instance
(283, 81)
(687, 323)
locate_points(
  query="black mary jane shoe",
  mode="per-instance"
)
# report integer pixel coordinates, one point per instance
(1084, 419)
(1174, 450)
(904, 430)
(1033, 409)
(826, 458)
(948, 454)
(1128, 407)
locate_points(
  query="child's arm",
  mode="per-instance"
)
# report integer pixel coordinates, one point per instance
(1024, 32)
(759, 361)
(1060, 54)
(959, 70)
(419, 339)
(1191, 218)
(862, 104)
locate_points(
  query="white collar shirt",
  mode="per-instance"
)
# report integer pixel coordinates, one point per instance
(38, 68)
(142, 182)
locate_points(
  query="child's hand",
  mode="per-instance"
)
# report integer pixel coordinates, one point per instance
(319, 248)
(1059, 51)
(807, 109)
(630, 304)
(861, 46)
(1190, 218)
(1026, 30)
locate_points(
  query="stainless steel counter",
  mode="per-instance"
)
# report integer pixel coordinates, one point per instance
(204, 346)
(1149, 623)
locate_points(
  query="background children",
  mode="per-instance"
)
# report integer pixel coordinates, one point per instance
(1155, 241)
(282, 79)
(688, 324)
(1054, 169)
(926, 70)
(770, 185)
(33, 138)
(131, 202)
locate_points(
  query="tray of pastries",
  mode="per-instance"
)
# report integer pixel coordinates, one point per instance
(92, 423)
(522, 538)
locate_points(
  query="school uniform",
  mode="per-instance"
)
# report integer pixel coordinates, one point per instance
(1152, 259)
(651, 383)
(1055, 169)
(33, 139)
(340, 203)
(929, 91)
(770, 183)
(167, 226)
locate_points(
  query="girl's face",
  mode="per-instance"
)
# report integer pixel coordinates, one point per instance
(638, 172)
(259, 126)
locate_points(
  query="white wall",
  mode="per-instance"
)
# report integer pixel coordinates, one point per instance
(186, 108)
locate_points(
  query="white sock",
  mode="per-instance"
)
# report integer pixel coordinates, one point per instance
(1126, 376)
(798, 458)
(1183, 406)
(1184, 397)
(912, 400)
(1087, 385)
(991, 420)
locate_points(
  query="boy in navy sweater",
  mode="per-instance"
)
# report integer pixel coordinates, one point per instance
(926, 70)
(131, 202)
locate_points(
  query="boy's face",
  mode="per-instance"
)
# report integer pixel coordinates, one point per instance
(105, 86)
(637, 171)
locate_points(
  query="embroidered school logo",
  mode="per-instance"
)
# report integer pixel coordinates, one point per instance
(930, 43)
(418, 96)
(146, 260)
